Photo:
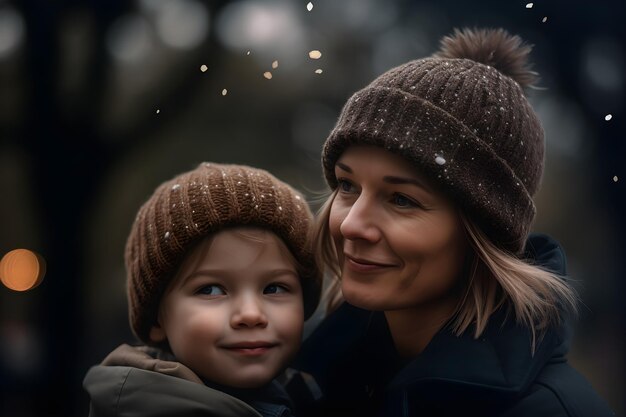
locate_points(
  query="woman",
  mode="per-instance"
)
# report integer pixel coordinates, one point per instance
(451, 308)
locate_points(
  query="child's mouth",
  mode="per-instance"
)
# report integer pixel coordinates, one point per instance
(250, 348)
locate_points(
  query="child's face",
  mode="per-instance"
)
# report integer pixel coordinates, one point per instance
(234, 312)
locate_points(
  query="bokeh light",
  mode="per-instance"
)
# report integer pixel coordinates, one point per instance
(266, 26)
(358, 17)
(315, 54)
(11, 31)
(603, 62)
(129, 39)
(182, 24)
(564, 125)
(22, 270)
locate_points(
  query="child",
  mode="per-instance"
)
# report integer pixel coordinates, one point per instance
(220, 281)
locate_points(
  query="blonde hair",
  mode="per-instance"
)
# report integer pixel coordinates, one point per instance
(495, 279)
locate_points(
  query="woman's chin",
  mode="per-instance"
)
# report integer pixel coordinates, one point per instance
(363, 297)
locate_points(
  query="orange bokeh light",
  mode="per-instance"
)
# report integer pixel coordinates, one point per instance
(22, 269)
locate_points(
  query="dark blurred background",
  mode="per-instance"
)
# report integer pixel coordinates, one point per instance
(100, 101)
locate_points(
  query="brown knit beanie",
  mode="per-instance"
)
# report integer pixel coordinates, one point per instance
(462, 119)
(195, 204)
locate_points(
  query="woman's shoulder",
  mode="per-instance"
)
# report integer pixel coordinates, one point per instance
(547, 252)
(561, 390)
(337, 336)
(342, 363)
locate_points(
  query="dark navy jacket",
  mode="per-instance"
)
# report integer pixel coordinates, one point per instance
(352, 360)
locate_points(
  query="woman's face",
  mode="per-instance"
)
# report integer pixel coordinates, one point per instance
(400, 242)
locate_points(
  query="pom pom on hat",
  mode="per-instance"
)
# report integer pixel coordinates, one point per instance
(494, 47)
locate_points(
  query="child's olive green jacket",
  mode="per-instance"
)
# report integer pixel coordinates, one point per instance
(130, 382)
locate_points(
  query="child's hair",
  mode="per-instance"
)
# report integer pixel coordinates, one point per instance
(194, 205)
(244, 233)
(493, 278)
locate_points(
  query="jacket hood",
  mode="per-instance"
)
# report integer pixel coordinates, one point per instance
(122, 391)
(143, 381)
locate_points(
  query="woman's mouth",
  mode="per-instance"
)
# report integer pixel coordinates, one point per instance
(365, 265)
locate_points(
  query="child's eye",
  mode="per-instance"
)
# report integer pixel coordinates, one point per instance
(275, 289)
(212, 290)
(401, 200)
(345, 186)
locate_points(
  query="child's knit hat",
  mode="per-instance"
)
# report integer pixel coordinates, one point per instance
(462, 119)
(195, 204)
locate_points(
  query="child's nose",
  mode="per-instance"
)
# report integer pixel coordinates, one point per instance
(248, 313)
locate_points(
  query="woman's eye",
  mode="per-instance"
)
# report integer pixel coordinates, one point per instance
(401, 200)
(275, 289)
(213, 290)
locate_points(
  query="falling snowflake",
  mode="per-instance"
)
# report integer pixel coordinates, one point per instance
(203, 68)
(248, 53)
(267, 75)
(440, 160)
(167, 235)
(615, 178)
(224, 92)
(608, 117)
(545, 19)
(275, 64)
(315, 54)
(318, 71)
(529, 5)
(158, 111)
(309, 6)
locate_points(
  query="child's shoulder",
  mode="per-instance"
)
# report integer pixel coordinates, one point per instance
(134, 381)
(150, 359)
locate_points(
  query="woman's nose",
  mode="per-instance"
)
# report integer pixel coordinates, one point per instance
(360, 221)
(248, 312)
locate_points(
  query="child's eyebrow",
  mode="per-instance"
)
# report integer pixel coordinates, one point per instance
(343, 167)
(229, 273)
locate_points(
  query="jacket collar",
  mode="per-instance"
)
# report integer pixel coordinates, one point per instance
(501, 359)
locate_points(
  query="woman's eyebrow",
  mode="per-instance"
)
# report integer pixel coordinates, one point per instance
(344, 167)
(390, 179)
